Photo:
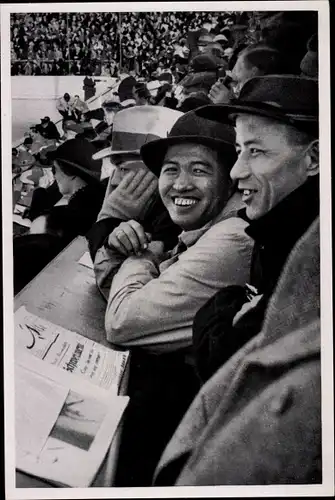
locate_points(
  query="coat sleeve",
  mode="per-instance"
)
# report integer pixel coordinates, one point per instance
(273, 439)
(106, 264)
(156, 310)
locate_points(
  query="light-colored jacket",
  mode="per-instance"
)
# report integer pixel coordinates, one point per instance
(63, 105)
(258, 419)
(154, 306)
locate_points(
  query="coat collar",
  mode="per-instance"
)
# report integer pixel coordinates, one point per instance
(290, 217)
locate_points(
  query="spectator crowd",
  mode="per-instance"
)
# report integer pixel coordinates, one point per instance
(105, 43)
(200, 206)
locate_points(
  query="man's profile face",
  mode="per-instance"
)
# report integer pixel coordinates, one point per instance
(270, 164)
(125, 164)
(241, 72)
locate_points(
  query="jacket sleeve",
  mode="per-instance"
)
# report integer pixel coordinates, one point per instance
(106, 264)
(274, 439)
(156, 310)
(99, 232)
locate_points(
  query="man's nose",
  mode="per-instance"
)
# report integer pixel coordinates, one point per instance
(183, 182)
(240, 169)
(115, 178)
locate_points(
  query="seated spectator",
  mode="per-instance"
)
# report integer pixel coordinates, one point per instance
(254, 60)
(202, 76)
(206, 213)
(132, 128)
(48, 129)
(257, 421)
(276, 121)
(164, 293)
(78, 179)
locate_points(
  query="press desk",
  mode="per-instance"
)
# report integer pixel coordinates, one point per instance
(65, 293)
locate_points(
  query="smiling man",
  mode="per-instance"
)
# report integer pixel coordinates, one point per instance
(155, 295)
(277, 172)
(132, 192)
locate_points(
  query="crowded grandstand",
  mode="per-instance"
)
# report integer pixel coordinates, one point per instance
(194, 183)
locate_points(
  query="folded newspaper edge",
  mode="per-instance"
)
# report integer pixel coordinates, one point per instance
(68, 408)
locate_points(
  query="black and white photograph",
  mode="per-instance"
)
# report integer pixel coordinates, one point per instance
(79, 421)
(171, 201)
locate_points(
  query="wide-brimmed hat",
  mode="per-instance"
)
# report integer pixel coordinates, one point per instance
(287, 98)
(190, 128)
(136, 126)
(77, 153)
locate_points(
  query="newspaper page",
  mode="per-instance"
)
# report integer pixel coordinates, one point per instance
(69, 351)
(57, 426)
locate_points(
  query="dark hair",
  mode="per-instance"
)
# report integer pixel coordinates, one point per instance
(266, 59)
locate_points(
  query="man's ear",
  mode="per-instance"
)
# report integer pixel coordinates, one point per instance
(312, 154)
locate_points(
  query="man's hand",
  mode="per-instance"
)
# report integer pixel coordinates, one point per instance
(129, 238)
(219, 93)
(129, 200)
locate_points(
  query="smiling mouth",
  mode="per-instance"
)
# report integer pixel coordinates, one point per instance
(247, 194)
(184, 202)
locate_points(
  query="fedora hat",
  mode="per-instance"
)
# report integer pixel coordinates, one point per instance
(77, 153)
(287, 98)
(190, 128)
(136, 126)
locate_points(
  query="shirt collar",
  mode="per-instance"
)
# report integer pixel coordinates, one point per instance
(231, 209)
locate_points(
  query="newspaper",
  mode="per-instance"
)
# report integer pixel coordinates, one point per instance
(77, 355)
(86, 260)
(63, 431)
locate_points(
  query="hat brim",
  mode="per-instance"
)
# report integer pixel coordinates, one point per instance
(52, 156)
(109, 152)
(153, 153)
(225, 113)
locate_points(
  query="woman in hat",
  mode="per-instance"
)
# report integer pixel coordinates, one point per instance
(78, 179)
(154, 296)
